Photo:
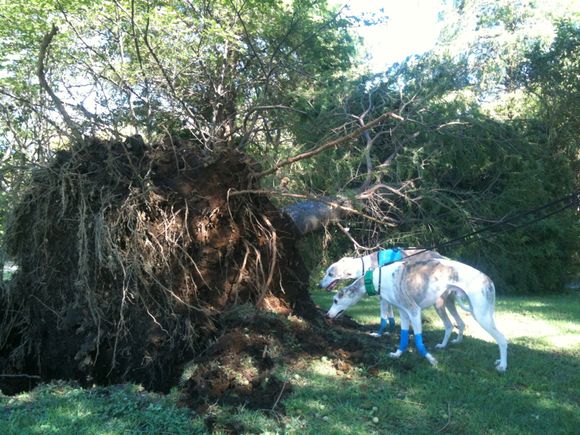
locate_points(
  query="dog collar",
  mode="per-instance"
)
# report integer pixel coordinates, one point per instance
(369, 286)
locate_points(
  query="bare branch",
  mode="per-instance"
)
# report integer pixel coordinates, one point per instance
(73, 127)
(165, 75)
(332, 144)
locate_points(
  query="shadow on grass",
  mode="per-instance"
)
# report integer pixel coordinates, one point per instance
(464, 393)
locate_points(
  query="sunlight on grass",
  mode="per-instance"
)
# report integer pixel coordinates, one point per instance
(64, 408)
(538, 394)
(519, 319)
(560, 334)
(463, 394)
(323, 367)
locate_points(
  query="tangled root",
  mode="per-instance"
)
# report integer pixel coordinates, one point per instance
(128, 255)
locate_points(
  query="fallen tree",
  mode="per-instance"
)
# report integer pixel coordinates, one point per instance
(129, 255)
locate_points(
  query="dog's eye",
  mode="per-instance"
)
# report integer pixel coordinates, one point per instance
(335, 300)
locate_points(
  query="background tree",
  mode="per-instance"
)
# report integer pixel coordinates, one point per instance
(459, 149)
(478, 142)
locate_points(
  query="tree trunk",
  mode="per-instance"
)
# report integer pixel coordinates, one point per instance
(311, 215)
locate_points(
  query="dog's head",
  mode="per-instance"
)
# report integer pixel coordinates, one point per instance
(346, 297)
(345, 268)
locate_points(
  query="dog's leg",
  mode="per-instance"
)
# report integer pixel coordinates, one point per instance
(448, 327)
(417, 331)
(391, 317)
(404, 341)
(387, 319)
(450, 305)
(483, 313)
(414, 319)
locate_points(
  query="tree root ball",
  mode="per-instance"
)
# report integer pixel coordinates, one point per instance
(129, 254)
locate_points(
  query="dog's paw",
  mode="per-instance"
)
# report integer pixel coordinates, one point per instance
(396, 354)
(375, 334)
(440, 346)
(431, 359)
(457, 340)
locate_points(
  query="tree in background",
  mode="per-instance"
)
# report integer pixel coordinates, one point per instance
(487, 130)
(470, 134)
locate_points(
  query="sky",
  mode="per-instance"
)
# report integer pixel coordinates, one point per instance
(412, 28)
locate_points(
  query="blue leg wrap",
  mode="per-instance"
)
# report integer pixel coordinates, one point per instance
(383, 327)
(391, 324)
(419, 344)
(404, 340)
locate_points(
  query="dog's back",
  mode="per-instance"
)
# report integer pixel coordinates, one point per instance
(420, 255)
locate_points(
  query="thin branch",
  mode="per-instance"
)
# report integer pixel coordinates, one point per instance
(448, 418)
(73, 127)
(371, 191)
(332, 144)
(4, 375)
(346, 232)
(165, 75)
(279, 395)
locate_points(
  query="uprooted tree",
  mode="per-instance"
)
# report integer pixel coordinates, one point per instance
(130, 254)
(139, 254)
(133, 254)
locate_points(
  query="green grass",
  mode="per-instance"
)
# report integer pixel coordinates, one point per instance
(63, 408)
(463, 394)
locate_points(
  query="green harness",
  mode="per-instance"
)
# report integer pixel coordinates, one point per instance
(369, 286)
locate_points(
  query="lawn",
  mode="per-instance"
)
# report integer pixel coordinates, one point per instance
(463, 394)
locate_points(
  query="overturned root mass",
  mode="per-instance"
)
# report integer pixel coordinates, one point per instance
(129, 255)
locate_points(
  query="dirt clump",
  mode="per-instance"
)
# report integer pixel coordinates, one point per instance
(240, 368)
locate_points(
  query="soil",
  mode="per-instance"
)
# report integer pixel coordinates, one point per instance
(128, 255)
(239, 368)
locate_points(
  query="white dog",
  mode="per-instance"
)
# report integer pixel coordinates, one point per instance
(351, 268)
(413, 286)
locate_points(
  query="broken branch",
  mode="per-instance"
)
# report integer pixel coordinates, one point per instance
(332, 144)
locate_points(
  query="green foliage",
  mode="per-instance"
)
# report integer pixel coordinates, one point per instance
(489, 131)
(489, 118)
(218, 67)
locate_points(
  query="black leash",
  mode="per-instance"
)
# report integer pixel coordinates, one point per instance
(569, 201)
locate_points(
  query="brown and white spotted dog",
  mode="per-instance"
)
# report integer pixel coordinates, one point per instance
(353, 267)
(414, 286)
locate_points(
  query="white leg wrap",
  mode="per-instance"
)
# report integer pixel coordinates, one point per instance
(500, 367)
(431, 359)
(396, 354)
